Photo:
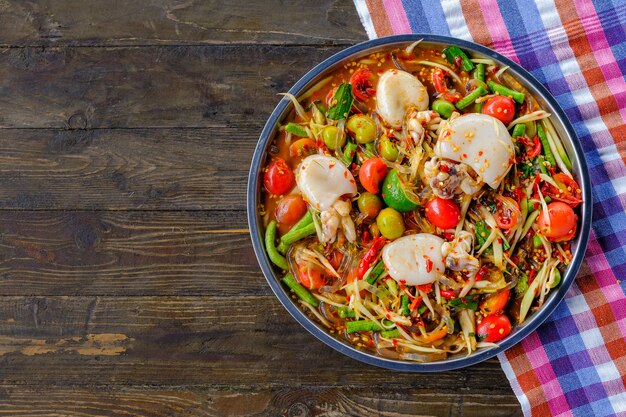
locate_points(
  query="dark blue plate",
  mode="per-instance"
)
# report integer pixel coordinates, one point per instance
(563, 127)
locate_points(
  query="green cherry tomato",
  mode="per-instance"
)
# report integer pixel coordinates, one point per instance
(369, 204)
(390, 223)
(333, 138)
(362, 127)
(443, 107)
(387, 149)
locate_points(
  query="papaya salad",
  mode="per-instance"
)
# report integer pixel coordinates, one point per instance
(419, 203)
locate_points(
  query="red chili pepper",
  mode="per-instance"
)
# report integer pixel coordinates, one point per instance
(537, 147)
(425, 288)
(481, 273)
(370, 256)
(531, 276)
(439, 81)
(448, 294)
(319, 142)
(366, 237)
(533, 146)
(536, 182)
(429, 265)
(417, 301)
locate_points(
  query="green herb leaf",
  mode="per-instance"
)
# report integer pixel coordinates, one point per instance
(342, 103)
(526, 169)
(470, 302)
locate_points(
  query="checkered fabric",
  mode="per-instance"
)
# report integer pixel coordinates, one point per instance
(575, 363)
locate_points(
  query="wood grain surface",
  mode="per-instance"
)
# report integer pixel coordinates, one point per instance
(128, 283)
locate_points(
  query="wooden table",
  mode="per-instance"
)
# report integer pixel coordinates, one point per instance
(128, 282)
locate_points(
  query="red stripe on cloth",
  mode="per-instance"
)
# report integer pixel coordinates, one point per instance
(497, 28)
(603, 53)
(594, 77)
(379, 18)
(476, 22)
(397, 17)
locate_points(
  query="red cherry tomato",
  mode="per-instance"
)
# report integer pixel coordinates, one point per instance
(494, 328)
(301, 148)
(290, 209)
(500, 107)
(279, 178)
(311, 276)
(560, 224)
(372, 172)
(444, 214)
(507, 213)
(495, 303)
(362, 85)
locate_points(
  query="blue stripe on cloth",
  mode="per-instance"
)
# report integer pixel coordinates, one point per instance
(428, 11)
(416, 17)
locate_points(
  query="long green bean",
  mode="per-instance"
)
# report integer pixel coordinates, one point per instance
(291, 237)
(545, 145)
(505, 91)
(376, 272)
(300, 291)
(471, 97)
(300, 230)
(296, 129)
(404, 309)
(362, 326)
(390, 334)
(276, 258)
(479, 74)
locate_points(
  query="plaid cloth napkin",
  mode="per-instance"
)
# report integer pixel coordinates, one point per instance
(575, 363)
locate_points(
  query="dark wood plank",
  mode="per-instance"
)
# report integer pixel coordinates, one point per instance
(168, 86)
(159, 22)
(240, 343)
(128, 253)
(113, 169)
(296, 402)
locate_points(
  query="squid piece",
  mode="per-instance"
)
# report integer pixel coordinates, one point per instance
(396, 92)
(327, 185)
(414, 259)
(480, 142)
